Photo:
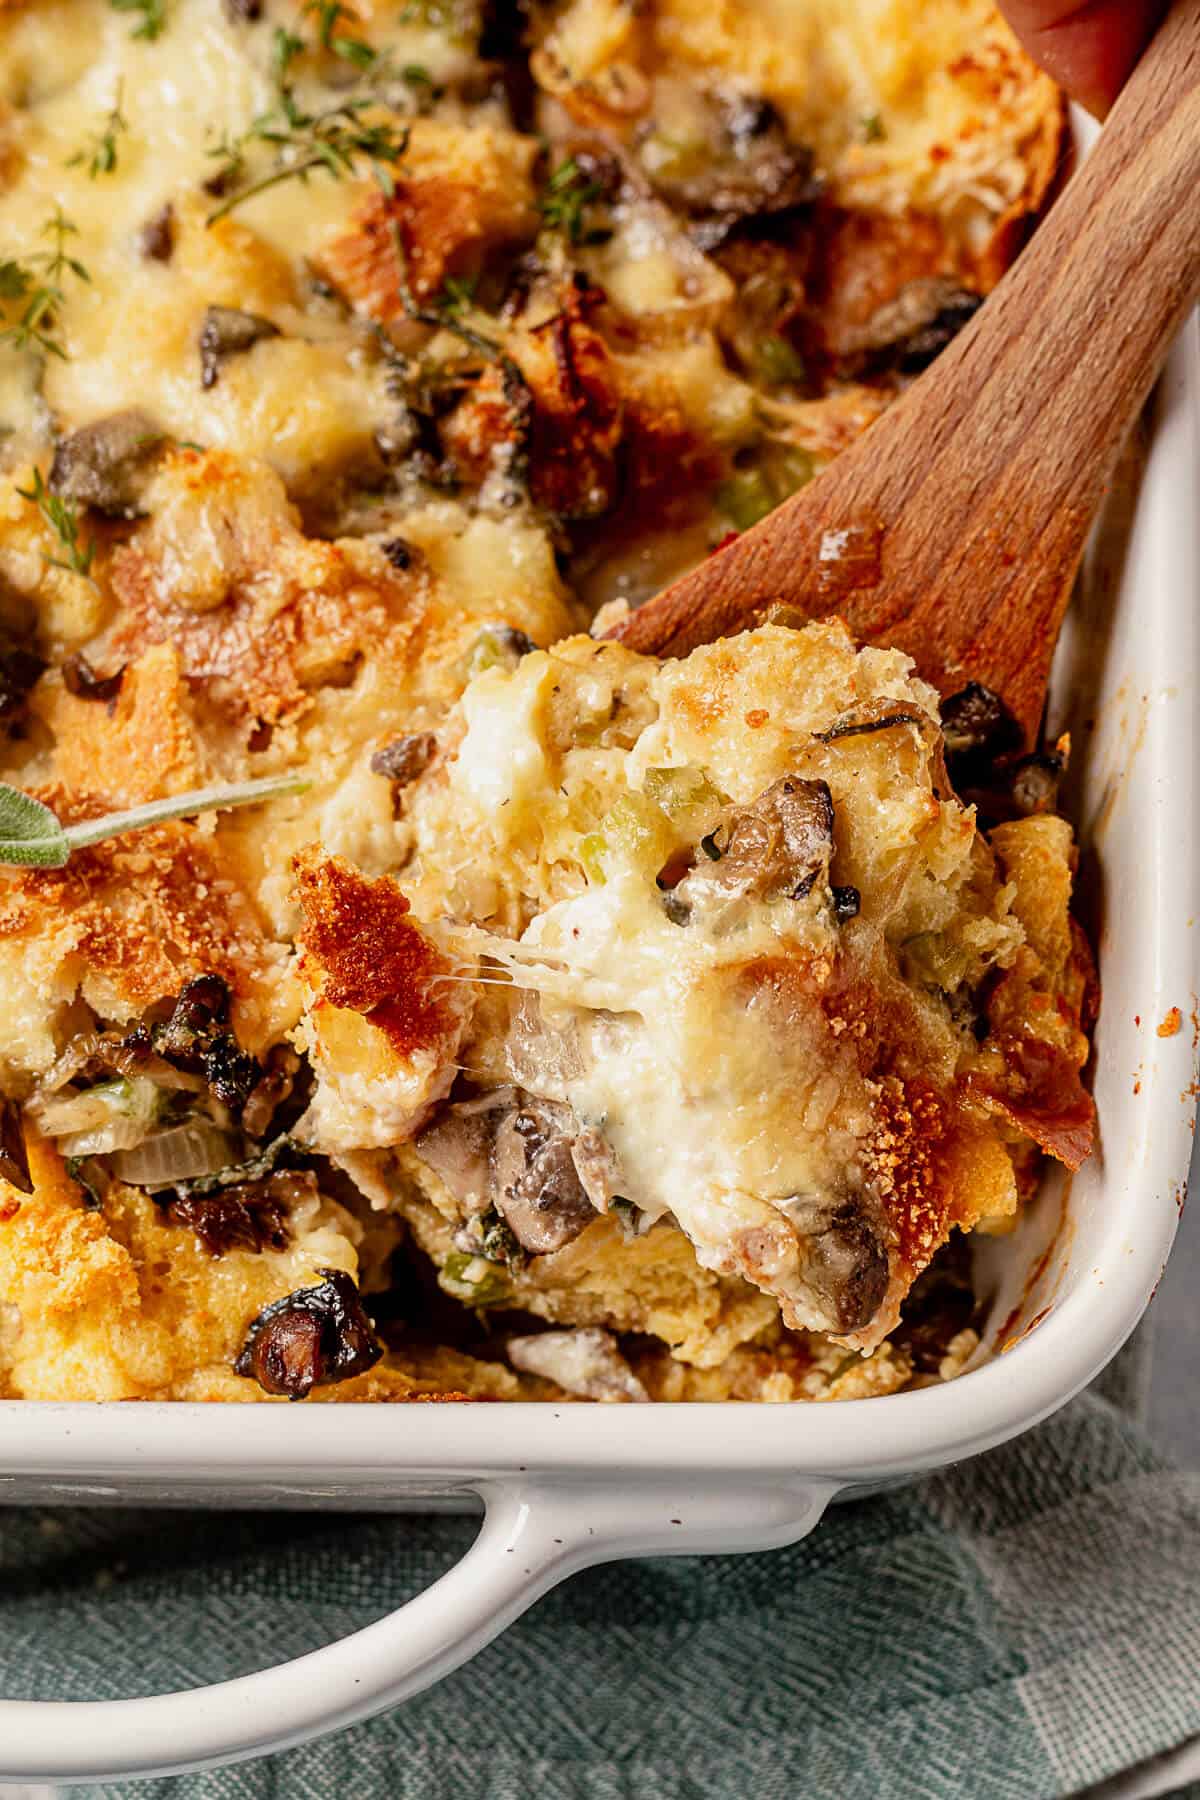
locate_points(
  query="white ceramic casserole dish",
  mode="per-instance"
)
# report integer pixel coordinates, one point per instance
(566, 1487)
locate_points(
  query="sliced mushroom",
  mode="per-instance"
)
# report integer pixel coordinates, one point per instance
(847, 1268)
(20, 668)
(775, 847)
(906, 333)
(405, 758)
(535, 1181)
(585, 1362)
(976, 723)
(228, 332)
(14, 1158)
(104, 465)
(156, 239)
(722, 158)
(526, 1157)
(312, 1338)
(82, 681)
(196, 1038)
(458, 1147)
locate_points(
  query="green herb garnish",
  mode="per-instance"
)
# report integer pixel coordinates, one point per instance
(99, 157)
(871, 127)
(307, 144)
(564, 200)
(285, 48)
(777, 361)
(351, 49)
(31, 836)
(457, 296)
(63, 520)
(153, 21)
(38, 280)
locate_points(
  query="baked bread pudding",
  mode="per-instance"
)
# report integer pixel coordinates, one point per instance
(406, 993)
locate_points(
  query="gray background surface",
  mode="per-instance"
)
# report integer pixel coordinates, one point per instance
(1174, 1417)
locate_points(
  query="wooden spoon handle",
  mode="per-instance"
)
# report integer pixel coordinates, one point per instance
(979, 486)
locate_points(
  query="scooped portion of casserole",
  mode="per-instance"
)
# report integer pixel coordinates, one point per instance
(571, 1024)
(745, 970)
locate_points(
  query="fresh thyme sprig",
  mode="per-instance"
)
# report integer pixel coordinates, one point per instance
(307, 144)
(153, 21)
(99, 156)
(63, 521)
(328, 14)
(38, 280)
(457, 296)
(31, 836)
(565, 199)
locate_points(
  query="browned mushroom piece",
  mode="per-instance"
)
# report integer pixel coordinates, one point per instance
(536, 1184)
(227, 332)
(774, 848)
(82, 681)
(905, 334)
(104, 465)
(20, 668)
(735, 164)
(528, 1158)
(312, 1338)
(847, 1263)
(976, 722)
(405, 758)
(14, 1159)
(156, 239)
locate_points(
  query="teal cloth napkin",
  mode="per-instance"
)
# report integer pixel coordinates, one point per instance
(1022, 1626)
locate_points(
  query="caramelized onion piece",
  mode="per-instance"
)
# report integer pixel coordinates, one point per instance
(249, 1216)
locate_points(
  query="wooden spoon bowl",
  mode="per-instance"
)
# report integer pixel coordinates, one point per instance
(954, 528)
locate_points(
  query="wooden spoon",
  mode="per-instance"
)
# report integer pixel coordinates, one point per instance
(955, 527)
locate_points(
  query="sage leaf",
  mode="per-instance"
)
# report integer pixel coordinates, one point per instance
(30, 835)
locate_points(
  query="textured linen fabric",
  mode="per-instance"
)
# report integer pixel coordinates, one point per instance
(1019, 1627)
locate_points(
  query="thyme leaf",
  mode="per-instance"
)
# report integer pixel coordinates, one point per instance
(38, 280)
(565, 198)
(63, 520)
(153, 21)
(306, 144)
(457, 296)
(32, 836)
(99, 156)
(351, 49)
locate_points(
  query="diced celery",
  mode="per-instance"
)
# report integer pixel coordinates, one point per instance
(687, 796)
(591, 855)
(746, 498)
(496, 647)
(475, 1280)
(776, 361)
(634, 831)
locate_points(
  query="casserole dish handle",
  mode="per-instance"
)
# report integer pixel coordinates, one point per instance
(532, 1537)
